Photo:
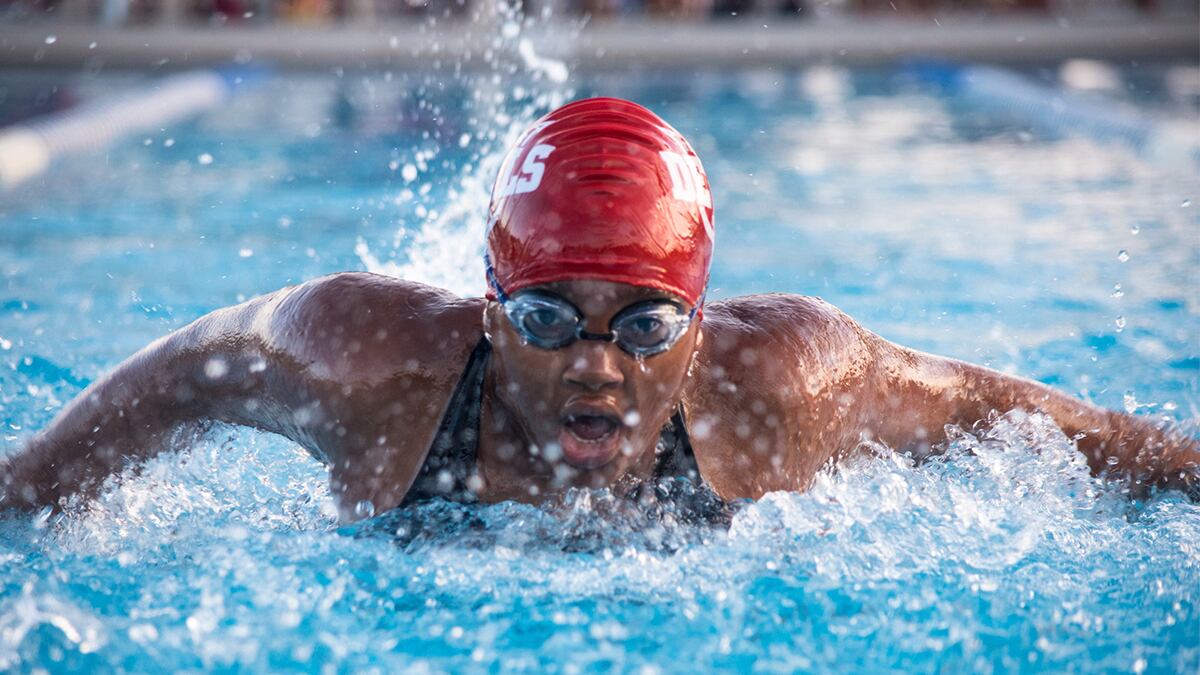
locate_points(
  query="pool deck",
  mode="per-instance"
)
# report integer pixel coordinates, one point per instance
(753, 41)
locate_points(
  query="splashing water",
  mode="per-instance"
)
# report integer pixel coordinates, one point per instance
(516, 88)
(1002, 553)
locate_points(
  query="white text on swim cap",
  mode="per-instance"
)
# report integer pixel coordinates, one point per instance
(688, 184)
(530, 176)
(687, 178)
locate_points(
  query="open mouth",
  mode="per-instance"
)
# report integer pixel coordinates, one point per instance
(590, 441)
(591, 428)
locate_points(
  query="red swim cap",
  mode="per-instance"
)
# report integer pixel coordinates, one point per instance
(601, 189)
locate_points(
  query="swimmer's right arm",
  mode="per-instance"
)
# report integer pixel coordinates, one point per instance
(316, 363)
(217, 368)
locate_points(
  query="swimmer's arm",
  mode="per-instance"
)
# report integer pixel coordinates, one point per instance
(214, 369)
(925, 392)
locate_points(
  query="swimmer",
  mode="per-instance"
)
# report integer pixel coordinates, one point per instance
(592, 362)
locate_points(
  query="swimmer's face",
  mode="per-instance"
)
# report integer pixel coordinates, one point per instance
(590, 406)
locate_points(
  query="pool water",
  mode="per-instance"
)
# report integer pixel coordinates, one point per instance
(938, 224)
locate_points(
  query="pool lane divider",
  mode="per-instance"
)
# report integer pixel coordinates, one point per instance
(1027, 102)
(30, 148)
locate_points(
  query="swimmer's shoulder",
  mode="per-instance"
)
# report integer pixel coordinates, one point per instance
(359, 327)
(376, 359)
(772, 379)
(780, 348)
(779, 324)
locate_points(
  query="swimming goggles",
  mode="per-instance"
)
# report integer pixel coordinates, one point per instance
(548, 321)
(642, 329)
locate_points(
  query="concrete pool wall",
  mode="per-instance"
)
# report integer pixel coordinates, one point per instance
(608, 45)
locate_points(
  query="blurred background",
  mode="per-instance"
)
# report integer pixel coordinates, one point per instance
(618, 31)
(262, 12)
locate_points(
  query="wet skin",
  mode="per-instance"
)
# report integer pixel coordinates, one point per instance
(359, 368)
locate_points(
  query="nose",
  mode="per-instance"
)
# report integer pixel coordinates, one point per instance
(594, 366)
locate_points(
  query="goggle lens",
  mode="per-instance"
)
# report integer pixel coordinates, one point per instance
(649, 329)
(543, 321)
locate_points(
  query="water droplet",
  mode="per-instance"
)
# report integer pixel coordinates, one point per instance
(393, 165)
(394, 42)
(43, 518)
(464, 140)
(143, 632)
(1123, 255)
(245, 252)
(475, 483)
(1117, 292)
(169, 142)
(216, 368)
(51, 39)
(1134, 229)
(364, 509)
(1186, 203)
(205, 159)
(91, 45)
(409, 172)
(1120, 322)
(258, 365)
(631, 418)
(1131, 402)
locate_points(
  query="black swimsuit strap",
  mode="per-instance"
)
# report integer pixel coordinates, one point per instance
(675, 456)
(450, 462)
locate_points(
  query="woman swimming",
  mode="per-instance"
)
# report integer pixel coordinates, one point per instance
(592, 362)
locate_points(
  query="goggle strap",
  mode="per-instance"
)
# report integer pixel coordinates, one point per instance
(492, 280)
(699, 303)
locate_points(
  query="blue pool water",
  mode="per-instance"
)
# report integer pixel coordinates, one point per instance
(937, 223)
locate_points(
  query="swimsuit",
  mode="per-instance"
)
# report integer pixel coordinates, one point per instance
(450, 464)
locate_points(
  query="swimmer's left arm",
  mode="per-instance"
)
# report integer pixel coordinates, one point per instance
(925, 392)
(843, 385)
